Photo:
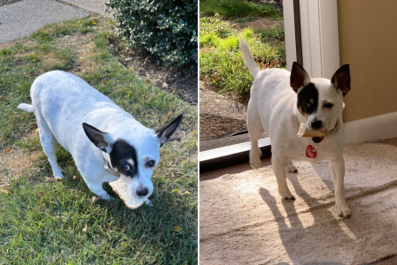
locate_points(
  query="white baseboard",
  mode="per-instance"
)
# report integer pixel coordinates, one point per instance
(371, 129)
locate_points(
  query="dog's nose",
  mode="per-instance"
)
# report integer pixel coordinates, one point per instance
(142, 192)
(316, 124)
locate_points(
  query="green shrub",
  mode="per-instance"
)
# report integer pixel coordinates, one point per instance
(166, 28)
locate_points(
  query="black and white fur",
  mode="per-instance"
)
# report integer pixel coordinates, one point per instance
(280, 100)
(105, 141)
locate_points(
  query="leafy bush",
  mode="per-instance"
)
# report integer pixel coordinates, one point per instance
(166, 28)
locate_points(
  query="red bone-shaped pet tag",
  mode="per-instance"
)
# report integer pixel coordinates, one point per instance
(311, 151)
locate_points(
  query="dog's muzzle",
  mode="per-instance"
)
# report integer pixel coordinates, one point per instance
(317, 140)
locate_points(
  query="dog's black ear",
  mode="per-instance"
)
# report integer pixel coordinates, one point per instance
(341, 79)
(299, 77)
(101, 140)
(164, 132)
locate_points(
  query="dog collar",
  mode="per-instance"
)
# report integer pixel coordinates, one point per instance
(317, 140)
(334, 130)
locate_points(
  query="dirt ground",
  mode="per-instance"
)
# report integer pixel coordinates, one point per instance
(220, 115)
(224, 126)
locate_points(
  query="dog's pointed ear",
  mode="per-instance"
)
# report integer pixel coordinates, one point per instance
(101, 140)
(164, 132)
(299, 77)
(341, 79)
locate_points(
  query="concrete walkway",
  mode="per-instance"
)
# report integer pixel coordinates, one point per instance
(25, 17)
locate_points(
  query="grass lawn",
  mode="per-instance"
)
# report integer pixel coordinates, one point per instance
(237, 9)
(221, 62)
(47, 222)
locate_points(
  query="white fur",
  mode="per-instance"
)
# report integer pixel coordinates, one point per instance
(270, 108)
(61, 103)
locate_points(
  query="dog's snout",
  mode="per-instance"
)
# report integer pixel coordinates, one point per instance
(142, 192)
(316, 124)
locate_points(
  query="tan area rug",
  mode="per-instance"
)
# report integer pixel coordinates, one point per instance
(243, 220)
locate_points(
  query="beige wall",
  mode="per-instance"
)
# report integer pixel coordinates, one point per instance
(368, 42)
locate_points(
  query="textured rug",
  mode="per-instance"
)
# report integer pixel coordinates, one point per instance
(243, 220)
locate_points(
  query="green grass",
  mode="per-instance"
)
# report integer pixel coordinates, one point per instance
(237, 9)
(48, 222)
(221, 62)
(50, 33)
(245, 19)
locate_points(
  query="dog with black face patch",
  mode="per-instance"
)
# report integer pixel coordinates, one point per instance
(280, 101)
(105, 142)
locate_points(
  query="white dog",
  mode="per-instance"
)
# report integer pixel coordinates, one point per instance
(279, 102)
(67, 109)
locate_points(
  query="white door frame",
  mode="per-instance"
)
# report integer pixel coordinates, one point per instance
(319, 33)
(321, 58)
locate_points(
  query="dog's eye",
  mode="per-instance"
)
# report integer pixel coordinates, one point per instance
(125, 167)
(150, 163)
(328, 105)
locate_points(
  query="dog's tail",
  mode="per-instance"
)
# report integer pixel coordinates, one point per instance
(25, 107)
(249, 61)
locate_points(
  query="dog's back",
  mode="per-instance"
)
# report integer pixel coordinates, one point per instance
(270, 91)
(63, 101)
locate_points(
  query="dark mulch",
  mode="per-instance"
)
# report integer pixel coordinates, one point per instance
(214, 126)
(7, 2)
(177, 81)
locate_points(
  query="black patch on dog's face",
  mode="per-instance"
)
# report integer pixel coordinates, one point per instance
(308, 99)
(119, 156)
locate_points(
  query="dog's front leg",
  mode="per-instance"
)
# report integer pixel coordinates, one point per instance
(337, 168)
(255, 130)
(99, 191)
(279, 164)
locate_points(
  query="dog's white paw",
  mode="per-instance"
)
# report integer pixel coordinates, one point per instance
(57, 172)
(286, 195)
(289, 197)
(255, 158)
(255, 162)
(343, 211)
(291, 169)
(149, 203)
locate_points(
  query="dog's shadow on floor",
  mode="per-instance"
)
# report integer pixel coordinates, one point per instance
(299, 230)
